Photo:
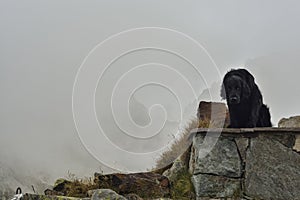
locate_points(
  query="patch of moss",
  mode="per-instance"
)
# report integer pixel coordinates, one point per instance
(182, 187)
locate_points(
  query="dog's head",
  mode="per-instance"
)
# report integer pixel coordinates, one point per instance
(237, 86)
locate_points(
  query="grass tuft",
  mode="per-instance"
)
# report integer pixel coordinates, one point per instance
(182, 144)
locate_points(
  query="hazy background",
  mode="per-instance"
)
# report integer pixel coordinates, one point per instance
(43, 43)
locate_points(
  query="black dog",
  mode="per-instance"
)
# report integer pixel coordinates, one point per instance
(244, 99)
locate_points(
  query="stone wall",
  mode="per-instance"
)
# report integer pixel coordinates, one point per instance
(255, 163)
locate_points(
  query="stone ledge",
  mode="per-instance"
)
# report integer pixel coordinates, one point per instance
(247, 132)
(270, 167)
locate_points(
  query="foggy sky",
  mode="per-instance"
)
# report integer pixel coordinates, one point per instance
(42, 45)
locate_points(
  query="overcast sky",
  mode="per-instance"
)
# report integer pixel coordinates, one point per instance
(43, 44)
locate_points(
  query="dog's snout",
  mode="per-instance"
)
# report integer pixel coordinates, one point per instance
(233, 99)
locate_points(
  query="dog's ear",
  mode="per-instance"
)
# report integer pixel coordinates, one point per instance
(223, 91)
(246, 90)
(248, 78)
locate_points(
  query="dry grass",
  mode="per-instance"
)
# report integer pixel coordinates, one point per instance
(78, 187)
(182, 144)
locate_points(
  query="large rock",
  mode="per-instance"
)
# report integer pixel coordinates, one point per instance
(272, 170)
(219, 173)
(68, 188)
(223, 159)
(150, 185)
(61, 185)
(289, 123)
(216, 186)
(214, 112)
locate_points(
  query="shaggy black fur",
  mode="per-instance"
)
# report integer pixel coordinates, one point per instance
(244, 99)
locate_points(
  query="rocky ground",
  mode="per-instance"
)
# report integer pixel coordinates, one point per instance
(244, 164)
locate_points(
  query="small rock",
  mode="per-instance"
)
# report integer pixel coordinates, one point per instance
(103, 194)
(161, 199)
(291, 122)
(132, 196)
(91, 192)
